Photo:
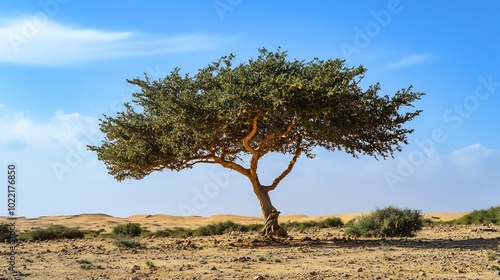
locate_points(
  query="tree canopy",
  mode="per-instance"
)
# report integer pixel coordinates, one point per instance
(268, 104)
(233, 115)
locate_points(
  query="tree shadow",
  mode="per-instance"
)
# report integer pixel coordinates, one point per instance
(407, 243)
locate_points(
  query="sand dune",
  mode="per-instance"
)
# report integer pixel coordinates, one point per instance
(157, 221)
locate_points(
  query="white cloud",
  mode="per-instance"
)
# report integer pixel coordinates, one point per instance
(408, 61)
(48, 43)
(471, 154)
(19, 130)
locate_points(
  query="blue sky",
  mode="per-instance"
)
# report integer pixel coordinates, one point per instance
(63, 64)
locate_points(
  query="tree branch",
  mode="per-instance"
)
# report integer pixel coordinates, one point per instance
(249, 136)
(255, 153)
(234, 166)
(272, 136)
(285, 172)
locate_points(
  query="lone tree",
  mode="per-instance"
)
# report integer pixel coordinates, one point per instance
(235, 115)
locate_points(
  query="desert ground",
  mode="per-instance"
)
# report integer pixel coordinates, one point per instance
(436, 252)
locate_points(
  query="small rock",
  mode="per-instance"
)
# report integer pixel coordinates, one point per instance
(277, 260)
(313, 273)
(213, 267)
(421, 273)
(360, 269)
(346, 275)
(258, 277)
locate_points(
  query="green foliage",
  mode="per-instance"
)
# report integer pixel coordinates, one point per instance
(150, 264)
(332, 222)
(92, 233)
(87, 265)
(484, 216)
(5, 232)
(128, 229)
(174, 232)
(53, 232)
(491, 255)
(293, 106)
(208, 230)
(127, 242)
(387, 222)
(223, 227)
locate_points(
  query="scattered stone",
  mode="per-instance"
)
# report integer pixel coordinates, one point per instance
(313, 273)
(258, 277)
(213, 267)
(360, 269)
(242, 259)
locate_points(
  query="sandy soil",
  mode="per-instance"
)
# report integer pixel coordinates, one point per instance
(437, 252)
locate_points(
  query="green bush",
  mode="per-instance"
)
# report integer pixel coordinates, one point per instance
(331, 222)
(485, 216)
(54, 232)
(128, 229)
(387, 222)
(208, 230)
(127, 242)
(4, 232)
(174, 232)
(217, 228)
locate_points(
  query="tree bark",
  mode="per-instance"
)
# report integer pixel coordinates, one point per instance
(267, 209)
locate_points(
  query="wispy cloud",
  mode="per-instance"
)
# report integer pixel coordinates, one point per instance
(52, 44)
(408, 61)
(469, 155)
(19, 130)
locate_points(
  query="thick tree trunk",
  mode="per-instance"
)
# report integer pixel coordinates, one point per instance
(271, 227)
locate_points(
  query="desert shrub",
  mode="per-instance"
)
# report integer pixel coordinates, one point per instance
(208, 230)
(299, 225)
(92, 233)
(54, 232)
(127, 242)
(327, 223)
(224, 227)
(332, 222)
(128, 229)
(174, 232)
(387, 222)
(484, 216)
(251, 227)
(217, 228)
(4, 231)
